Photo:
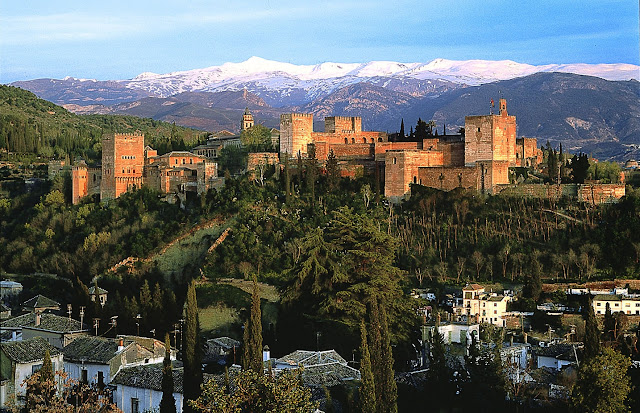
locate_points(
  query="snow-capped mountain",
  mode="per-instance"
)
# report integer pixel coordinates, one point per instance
(285, 84)
(275, 80)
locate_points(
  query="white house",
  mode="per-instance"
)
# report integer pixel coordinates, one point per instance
(483, 306)
(139, 389)
(628, 305)
(58, 331)
(452, 332)
(96, 360)
(556, 356)
(18, 361)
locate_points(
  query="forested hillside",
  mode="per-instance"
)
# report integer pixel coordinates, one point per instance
(31, 127)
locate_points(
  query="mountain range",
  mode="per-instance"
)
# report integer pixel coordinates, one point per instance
(592, 108)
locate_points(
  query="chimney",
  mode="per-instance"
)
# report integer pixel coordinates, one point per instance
(120, 344)
(525, 338)
(266, 354)
(37, 323)
(511, 341)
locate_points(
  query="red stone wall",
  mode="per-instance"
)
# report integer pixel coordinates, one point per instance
(402, 169)
(527, 152)
(600, 193)
(452, 152)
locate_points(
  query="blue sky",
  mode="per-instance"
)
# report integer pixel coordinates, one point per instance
(120, 39)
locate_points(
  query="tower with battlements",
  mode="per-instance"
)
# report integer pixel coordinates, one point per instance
(122, 163)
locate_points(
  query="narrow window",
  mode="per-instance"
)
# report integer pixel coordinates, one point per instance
(83, 376)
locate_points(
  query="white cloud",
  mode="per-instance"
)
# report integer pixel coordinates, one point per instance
(85, 26)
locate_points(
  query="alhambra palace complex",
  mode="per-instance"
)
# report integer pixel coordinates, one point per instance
(478, 160)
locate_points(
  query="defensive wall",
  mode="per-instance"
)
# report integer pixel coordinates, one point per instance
(589, 193)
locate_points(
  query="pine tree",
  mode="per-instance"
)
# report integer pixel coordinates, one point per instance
(192, 351)
(390, 387)
(168, 403)
(367, 388)
(591, 332)
(253, 334)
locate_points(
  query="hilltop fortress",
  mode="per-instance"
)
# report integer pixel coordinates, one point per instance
(478, 159)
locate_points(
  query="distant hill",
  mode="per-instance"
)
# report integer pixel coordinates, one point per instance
(35, 127)
(199, 110)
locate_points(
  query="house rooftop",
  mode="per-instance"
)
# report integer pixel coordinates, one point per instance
(607, 297)
(49, 322)
(91, 350)
(148, 376)
(473, 287)
(27, 351)
(92, 290)
(308, 358)
(40, 301)
(224, 342)
(321, 368)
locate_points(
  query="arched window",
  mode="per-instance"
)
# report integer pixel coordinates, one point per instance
(346, 141)
(353, 140)
(364, 140)
(395, 160)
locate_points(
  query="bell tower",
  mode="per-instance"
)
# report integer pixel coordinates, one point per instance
(247, 120)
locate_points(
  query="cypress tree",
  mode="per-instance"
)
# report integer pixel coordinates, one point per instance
(333, 174)
(402, 129)
(192, 352)
(609, 324)
(591, 332)
(367, 388)
(376, 351)
(168, 403)
(389, 385)
(287, 179)
(253, 334)
(46, 371)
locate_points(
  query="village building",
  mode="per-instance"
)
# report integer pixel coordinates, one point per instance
(99, 295)
(320, 369)
(40, 304)
(18, 361)
(56, 330)
(556, 356)
(628, 305)
(482, 306)
(9, 289)
(96, 360)
(139, 389)
(221, 351)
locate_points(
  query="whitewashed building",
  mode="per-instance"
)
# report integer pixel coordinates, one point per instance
(139, 389)
(18, 361)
